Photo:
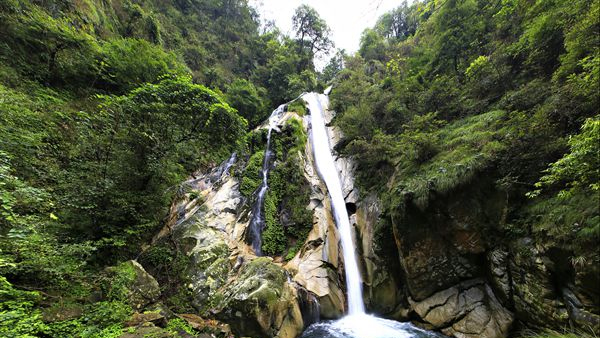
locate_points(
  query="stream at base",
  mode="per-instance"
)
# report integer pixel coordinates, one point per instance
(366, 326)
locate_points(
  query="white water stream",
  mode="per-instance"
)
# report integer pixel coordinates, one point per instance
(257, 223)
(317, 103)
(357, 324)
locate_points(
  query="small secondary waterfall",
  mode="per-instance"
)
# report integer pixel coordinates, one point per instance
(329, 173)
(257, 222)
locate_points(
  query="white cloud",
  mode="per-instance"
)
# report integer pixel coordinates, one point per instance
(346, 18)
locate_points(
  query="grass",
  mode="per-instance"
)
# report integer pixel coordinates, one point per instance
(463, 149)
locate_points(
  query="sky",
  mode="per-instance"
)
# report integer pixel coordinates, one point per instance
(346, 18)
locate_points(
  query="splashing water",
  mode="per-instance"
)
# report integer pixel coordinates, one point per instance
(366, 326)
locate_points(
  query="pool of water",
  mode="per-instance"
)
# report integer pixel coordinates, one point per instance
(366, 326)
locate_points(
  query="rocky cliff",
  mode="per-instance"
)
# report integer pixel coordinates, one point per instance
(438, 266)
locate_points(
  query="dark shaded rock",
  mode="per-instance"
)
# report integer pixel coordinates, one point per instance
(468, 310)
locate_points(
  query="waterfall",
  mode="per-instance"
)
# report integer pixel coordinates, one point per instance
(329, 173)
(357, 324)
(257, 222)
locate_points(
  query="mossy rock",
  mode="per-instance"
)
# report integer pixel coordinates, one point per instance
(129, 282)
(209, 269)
(255, 304)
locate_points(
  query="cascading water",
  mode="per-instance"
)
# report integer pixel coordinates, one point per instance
(257, 222)
(329, 174)
(357, 324)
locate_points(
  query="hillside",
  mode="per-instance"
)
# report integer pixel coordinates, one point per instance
(136, 137)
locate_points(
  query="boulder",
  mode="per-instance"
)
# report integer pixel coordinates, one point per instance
(210, 327)
(260, 302)
(129, 280)
(154, 317)
(467, 310)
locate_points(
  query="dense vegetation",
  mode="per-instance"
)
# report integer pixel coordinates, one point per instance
(443, 91)
(498, 97)
(105, 108)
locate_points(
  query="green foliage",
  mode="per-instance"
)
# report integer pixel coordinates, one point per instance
(298, 107)
(333, 67)
(479, 89)
(17, 313)
(99, 320)
(571, 221)
(439, 160)
(248, 100)
(285, 71)
(580, 168)
(553, 334)
(177, 325)
(400, 23)
(103, 111)
(126, 63)
(138, 146)
(287, 222)
(47, 49)
(116, 286)
(166, 264)
(273, 236)
(371, 45)
(311, 31)
(29, 245)
(304, 82)
(251, 178)
(572, 214)
(105, 319)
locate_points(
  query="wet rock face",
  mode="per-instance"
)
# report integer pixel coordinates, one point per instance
(433, 264)
(467, 310)
(442, 245)
(260, 302)
(256, 296)
(545, 291)
(463, 276)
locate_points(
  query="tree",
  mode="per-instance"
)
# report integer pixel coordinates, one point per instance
(372, 45)
(312, 31)
(399, 23)
(333, 67)
(248, 100)
(135, 149)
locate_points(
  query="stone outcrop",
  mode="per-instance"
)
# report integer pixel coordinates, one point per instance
(256, 296)
(467, 310)
(435, 265)
(136, 285)
(260, 302)
(461, 277)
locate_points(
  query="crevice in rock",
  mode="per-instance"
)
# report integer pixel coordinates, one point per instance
(435, 306)
(351, 208)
